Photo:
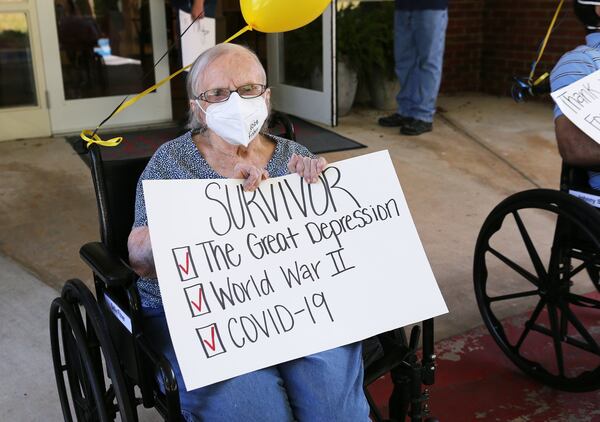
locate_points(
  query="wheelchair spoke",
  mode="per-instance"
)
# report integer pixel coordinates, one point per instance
(595, 276)
(81, 390)
(516, 267)
(556, 337)
(529, 324)
(583, 301)
(577, 270)
(109, 401)
(569, 340)
(581, 330)
(514, 296)
(564, 325)
(535, 258)
(80, 405)
(73, 362)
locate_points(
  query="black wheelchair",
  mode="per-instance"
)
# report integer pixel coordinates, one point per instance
(103, 362)
(540, 250)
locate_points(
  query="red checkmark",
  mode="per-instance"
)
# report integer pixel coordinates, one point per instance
(211, 343)
(199, 304)
(187, 263)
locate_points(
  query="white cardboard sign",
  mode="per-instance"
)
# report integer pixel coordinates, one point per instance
(580, 103)
(250, 280)
(200, 37)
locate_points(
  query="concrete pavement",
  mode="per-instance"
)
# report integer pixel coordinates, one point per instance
(27, 390)
(482, 150)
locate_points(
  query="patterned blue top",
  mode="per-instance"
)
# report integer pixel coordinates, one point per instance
(180, 159)
(571, 67)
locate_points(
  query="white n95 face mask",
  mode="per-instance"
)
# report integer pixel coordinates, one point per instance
(237, 120)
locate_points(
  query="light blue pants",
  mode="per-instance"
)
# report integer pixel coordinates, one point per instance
(419, 40)
(324, 387)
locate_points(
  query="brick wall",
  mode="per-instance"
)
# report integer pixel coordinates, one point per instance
(489, 41)
(464, 38)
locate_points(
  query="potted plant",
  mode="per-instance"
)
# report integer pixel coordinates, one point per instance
(365, 46)
(379, 73)
(347, 43)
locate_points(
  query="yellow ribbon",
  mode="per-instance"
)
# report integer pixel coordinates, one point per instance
(541, 79)
(237, 34)
(545, 43)
(92, 137)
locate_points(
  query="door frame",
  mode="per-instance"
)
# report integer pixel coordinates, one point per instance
(319, 106)
(28, 121)
(68, 116)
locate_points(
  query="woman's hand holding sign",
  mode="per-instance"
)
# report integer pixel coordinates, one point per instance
(306, 167)
(253, 175)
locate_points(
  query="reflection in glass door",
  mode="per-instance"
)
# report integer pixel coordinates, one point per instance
(97, 52)
(301, 70)
(105, 47)
(22, 108)
(17, 85)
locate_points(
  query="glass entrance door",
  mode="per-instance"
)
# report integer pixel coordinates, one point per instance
(23, 110)
(98, 51)
(301, 70)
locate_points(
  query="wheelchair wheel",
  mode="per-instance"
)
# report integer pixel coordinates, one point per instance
(83, 353)
(538, 256)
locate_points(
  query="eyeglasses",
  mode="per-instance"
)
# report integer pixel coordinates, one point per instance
(218, 95)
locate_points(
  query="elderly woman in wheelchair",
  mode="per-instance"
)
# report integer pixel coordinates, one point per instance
(229, 104)
(112, 352)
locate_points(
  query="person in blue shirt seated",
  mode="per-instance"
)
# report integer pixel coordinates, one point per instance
(228, 108)
(575, 147)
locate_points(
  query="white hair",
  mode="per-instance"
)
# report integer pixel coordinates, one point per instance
(197, 70)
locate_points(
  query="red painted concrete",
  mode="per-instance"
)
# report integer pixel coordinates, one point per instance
(476, 381)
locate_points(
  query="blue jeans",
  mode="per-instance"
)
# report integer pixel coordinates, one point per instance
(326, 386)
(419, 40)
(594, 179)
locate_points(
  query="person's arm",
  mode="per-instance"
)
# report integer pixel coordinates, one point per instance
(574, 146)
(140, 252)
(141, 259)
(197, 9)
(138, 243)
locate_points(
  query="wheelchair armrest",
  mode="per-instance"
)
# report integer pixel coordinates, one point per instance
(106, 265)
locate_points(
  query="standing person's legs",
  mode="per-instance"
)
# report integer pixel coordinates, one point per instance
(327, 386)
(430, 35)
(258, 396)
(405, 57)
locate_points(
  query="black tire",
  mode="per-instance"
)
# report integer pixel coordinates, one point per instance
(576, 240)
(99, 351)
(71, 357)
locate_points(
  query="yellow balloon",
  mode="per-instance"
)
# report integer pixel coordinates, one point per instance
(281, 15)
